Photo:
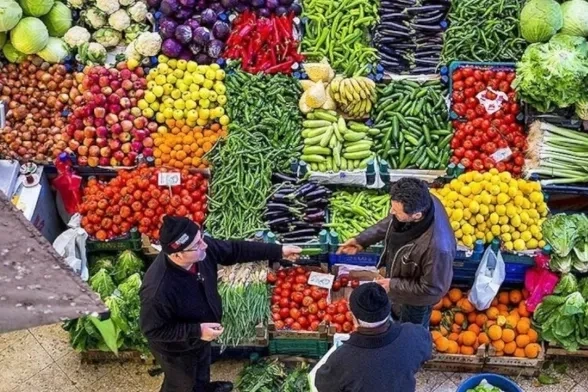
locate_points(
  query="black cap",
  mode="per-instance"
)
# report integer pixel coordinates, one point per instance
(369, 303)
(177, 233)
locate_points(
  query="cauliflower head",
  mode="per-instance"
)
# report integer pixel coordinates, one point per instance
(108, 38)
(76, 36)
(126, 3)
(133, 31)
(95, 18)
(131, 52)
(77, 4)
(119, 20)
(108, 6)
(138, 12)
(148, 44)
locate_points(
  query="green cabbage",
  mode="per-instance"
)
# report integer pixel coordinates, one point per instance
(58, 20)
(540, 20)
(581, 246)
(561, 232)
(3, 39)
(575, 18)
(115, 305)
(127, 264)
(36, 7)
(55, 52)
(29, 36)
(13, 55)
(567, 285)
(102, 283)
(10, 14)
(104, 262)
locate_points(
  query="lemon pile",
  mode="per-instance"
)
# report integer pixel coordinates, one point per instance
(495, 205)
(184, 90)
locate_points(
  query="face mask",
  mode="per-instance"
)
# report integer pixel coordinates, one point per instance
(200, 254)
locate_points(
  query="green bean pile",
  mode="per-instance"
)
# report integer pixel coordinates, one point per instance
(263, 137)
(414, 122)
(353, 212)
(483, 30)
(339, 31)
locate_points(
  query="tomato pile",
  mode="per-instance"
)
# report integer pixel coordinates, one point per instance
(297, 306)
(478, 134)
(133, 199)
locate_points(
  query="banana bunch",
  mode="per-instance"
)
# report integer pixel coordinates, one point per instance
(354, 96)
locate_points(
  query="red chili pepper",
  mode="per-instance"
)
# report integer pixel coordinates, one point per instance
(285, 67)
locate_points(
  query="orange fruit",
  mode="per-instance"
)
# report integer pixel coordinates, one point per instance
(508, 335)
(438, 305)
(459, 318)
(455, 295)
(503, 298)
(522, 309)
(523, 341)
(498, 345)
(515, 296)
(495, 302)
(469, 338)
(502, 308)
(495, 332)
(499, 354)
(453, 336)
(474, 328)
(533, 336)
(472, 317)
(453, 347)
(526, 293)
(481, 319)
(466, 350)
(492, 313)
(532, 350)
(435, 335)
(447, 303)
(510, 347)
(465, 305)
(435, 317)
(456, 328)
(483, 338)
(519, 353)
(523, 326)
(443, 331)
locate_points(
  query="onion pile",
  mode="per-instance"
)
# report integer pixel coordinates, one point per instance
(36, 95)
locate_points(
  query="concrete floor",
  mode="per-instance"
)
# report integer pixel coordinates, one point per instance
(40, 360)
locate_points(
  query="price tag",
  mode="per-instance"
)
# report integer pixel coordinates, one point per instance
(492, 105)
(169, 179)
(318, 279)
(342, 175)
(501, 154)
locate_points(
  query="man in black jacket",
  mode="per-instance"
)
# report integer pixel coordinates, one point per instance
(181, 309)
(381, 355)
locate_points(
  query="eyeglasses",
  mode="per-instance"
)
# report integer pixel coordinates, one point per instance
(199, 246)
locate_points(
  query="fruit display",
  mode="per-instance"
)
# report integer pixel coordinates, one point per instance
(181, 146)
(414, 121)
(354, 96)
(185, 90)
(331, 144)
(106, 128)
(297, 306)
(458, 328)
(488, 133)
(36, 95)
(484, 206)
(133, 199)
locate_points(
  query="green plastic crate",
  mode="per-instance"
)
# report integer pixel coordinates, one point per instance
(310, 348)
(131, 242)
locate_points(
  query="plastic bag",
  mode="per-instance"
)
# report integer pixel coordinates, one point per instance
(67, 184)
(489, 276)
(71, 244)
(539, 282)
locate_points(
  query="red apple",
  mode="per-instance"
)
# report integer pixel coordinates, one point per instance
(73, 145)
(148, 142)
(124, 137)
(94, 151)
(126, 147)
(102, 132)
(114, 144)
(105, 152)
(104, 161)
(127, 161)
(140, 122)
(88, 142)
(79, 135)
(99, 112)
(101, 142)
(127, 126)
(83, 161)
(118, 155)
(82, 151)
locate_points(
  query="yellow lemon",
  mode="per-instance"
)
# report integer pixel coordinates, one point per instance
(534, 229)
(536, 197)
(468, 240)
(519, 245)
(511, 210)
(477, 177)
(486, 198)
(494, 218)
(541, 244)
(474, 207)
(502, 198)
(467, 229)
(501, 210)
(522, 227)
(532, 244)
(494, 190)
(480, 218)
(465, 190)
(495, 229)
(505, 237)
(505, 229)
(454, 225)
(456, 184)
(453, 196)
(476, 188)
(467, 214)
(508, 245)
(483, 210)
(489, 236)
(458, 234)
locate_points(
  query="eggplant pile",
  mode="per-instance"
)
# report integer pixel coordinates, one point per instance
(296, 212)
(409, 36)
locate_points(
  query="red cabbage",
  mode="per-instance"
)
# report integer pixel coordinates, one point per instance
(153, 3)
(202, 59)
(264, 12)
(221, 30)
(271, 4)
(257, 3)
(241, 7)
(167, 28)
(195, 48)
(184, 13)
(217, 8)
(188, 3)
(215, 48)
(281, 11)
(171, 48)
(168, 7)
(201, 35)
(286, 2)
(183, 34)
(229, 4)
(208, 17)
(185, 54)
(193, 23)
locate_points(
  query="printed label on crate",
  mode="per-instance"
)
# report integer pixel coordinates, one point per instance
(321, 280)
(339, 338)
(501, 154)
(169, 179)
(491, 105)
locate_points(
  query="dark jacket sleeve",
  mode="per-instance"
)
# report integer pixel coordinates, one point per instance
(425, 351)
(328, 376)
(232, 252)
(432, 282)
(374, 234)
(158, 324)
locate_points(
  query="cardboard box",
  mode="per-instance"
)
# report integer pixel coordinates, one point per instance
(364, 275)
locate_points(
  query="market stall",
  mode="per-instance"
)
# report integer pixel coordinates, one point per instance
(286, 121)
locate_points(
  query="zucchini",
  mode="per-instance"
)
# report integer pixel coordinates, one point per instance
(316, 123)
(316, 150)
(314, 158)
(351, 136)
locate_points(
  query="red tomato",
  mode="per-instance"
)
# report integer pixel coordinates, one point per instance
(328, 318)
(271, 278)
(354, 283)
(342, 308)
(313, 309)
(466, 163)
(297, 297)
(459, 85)
(312, 317)
(331, 309)
(321, 314)
(279, 324)
(276, 299)
(316, 295)
(314, 325)
(284, 313)
(347, 327)
(336, 285)
(303, 321)
(296, 327)
(276, 316)
(344, 280)
(300, 271)
(339, 318)
(285, 293)
(307, 301)
(299, 287)
(278, 291)
(349, 316)
(289, 321)
(287, 285)
(281, 274)
(301, 279)
(338, 327)
(307, 292)
(294, 313)
(322, 304)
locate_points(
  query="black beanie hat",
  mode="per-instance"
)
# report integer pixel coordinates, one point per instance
(177, 233)
(369, 303)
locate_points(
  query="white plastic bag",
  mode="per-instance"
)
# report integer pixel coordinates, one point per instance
(489, 276)
(71, 244)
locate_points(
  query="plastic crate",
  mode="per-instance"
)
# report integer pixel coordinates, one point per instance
(464, 268)
(299, 347)
(454, 65)
(132, 241)
(316, 252)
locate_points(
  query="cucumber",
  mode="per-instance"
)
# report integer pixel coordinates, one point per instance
(312, 132)
(333, 142)
(337, 132)
(357, 155)
(324, 142)
(313, 140)
(316, 123)
(316, 150)
(342, 126)
(329, 164)
(327, 117)
(357, 127)
(322, 167)
(351, 136)
(314, 158)
(314, 166)
(343, 164)
(358, 148)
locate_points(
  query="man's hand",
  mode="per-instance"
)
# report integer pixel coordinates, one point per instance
(349, 247)
(290, 252)
(210, 331)
(385, 283)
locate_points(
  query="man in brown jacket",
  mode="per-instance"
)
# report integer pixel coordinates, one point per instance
(419, 249)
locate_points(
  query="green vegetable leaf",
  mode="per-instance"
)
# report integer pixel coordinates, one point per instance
(107, 331)
(102, 283)
(127, 264)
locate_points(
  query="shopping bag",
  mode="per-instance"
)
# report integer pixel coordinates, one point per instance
(489, 276)
(71, 245)
(338, 340)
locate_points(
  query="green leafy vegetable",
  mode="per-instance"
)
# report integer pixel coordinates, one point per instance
(58, 20)
(36, 7)
(55, 52)
(567, 285)
(540, 20)
(575, 18)
(106, 263)
(127, 264)
(107, 331)
(102, 283)
(10, 14)
(560, 231)
(581, 247)
(297, 381)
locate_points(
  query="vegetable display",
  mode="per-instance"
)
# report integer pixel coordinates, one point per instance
(263, 44)
(491, 135)
(557, 153)
(458, 328)
(353, 212)
(409, 36)
(245, 296)
(354, 96)
(272, 376)
(575, 18)
(485, 30)
(133, 199)
(265, 8)
(296, 213)
(540, 20)
(262, 140)
(338, 30)
(412, 118)
(568, 237)
(495, 205)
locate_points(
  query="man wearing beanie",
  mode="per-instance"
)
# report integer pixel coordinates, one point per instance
(380, 356)
(419, 249)
(181, 309)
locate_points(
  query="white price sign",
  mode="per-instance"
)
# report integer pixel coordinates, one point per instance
(169, 179)
(501, 154)
(318, 279)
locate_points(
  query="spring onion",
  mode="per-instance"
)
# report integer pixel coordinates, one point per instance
(558, 153)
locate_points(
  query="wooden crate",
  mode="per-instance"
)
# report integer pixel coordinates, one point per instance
(457, 362)
(97, 356)
(558, 351)
(274, 333)
(513, 366)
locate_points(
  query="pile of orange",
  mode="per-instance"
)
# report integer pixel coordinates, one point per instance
(458, 328)
(178, 145)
